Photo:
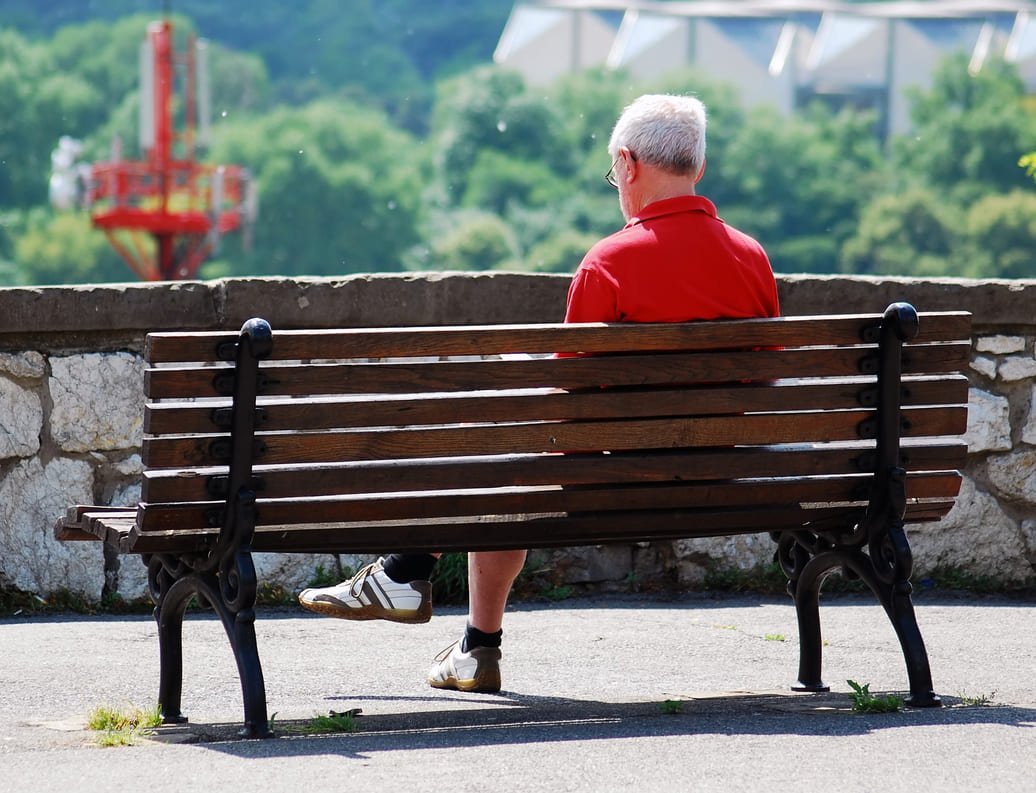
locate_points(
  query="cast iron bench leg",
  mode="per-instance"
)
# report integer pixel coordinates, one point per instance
(240, 629)
(806, 594)
(169, 615)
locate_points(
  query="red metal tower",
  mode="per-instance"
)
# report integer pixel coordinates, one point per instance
(183, 205)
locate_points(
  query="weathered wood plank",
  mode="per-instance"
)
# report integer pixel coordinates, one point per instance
(411, 377)
(545, 338)
(502, 501)
(329, 412)
(535, 531)
(380, 476)
(618, 435)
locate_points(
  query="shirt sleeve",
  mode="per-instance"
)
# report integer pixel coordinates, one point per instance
(591, 298)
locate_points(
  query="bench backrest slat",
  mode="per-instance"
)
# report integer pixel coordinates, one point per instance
(344, 478)
(403, 377)
(476, 340)
(527, 405)
(570, 436)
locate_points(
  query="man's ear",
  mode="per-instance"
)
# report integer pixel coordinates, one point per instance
(701, 173)
(631, 164)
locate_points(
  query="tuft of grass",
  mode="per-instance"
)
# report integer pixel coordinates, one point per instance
(957, 579)
(671, 706)
(978, 700)
(563, 592)
(766, 577)
(122, 727)
(775, 637)
(332, 722)
(275, 595)
(866, 702)
(324, 576)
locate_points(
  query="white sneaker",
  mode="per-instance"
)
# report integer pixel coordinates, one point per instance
(477, 670)
(372, 595)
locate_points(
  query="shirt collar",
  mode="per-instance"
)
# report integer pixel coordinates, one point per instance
(672, 206)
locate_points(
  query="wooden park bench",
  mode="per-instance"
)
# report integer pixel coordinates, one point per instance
(827, 432)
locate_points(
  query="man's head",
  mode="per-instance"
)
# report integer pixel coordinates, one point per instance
(660, 141)
(665, 131)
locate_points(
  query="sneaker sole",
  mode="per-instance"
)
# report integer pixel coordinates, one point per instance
(486, 683)
(371, 612)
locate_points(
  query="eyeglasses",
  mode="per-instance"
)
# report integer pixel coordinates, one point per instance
(610, 176)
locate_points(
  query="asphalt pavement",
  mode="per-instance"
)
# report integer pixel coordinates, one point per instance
(608, 693)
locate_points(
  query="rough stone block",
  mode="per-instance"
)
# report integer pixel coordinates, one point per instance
(984, 366)
(740, 552)
(1000, 344)
(32, 497)
(989, 422)
(1017, 369)
(21, 420)
(1014, 475)
(977, 536)
(24, 366)
(98, 401)
(1029, 431)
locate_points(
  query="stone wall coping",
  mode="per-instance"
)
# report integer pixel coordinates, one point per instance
(438, 298)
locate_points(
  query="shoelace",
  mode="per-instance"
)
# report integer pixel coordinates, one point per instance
(442, 656)
(361, 577)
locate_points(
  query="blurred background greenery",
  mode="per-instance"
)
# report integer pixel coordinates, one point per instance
(382, 138)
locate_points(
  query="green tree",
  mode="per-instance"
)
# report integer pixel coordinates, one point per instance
(497, 180)
(909, 233)
(24, 154)
(489, 110)
(339, 190)
(1028, 162)
(65, 248)
(559, 253)
(475, 241)
(797, 184)
(968, 131)
(1001, 236)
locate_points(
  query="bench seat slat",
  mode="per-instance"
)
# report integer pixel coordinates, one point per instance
(85, 522)
(176, 347)
(617, 435)
(393, 377)
(293, 481)
(537, 531)
(527, 404)
(522, 500)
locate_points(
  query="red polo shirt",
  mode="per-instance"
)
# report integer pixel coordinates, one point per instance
(675, 261)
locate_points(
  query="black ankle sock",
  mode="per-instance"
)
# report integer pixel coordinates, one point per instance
(473, 637)
(406, 567)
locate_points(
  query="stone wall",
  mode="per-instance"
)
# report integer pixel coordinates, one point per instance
(71, 410)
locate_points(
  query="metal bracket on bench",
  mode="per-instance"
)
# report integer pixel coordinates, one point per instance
(870, 428)
(224, 382)
(224, 417)
(219, 487)
(223, 448)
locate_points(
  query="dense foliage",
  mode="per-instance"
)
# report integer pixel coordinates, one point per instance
(383, 140)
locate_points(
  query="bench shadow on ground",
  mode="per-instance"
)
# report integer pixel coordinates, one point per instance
(523, 719)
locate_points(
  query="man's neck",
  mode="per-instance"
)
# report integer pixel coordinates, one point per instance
(657, 185)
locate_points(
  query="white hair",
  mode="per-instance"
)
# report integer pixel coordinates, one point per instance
(663, 130)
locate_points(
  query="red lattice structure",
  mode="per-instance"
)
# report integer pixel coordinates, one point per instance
(166, 213)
